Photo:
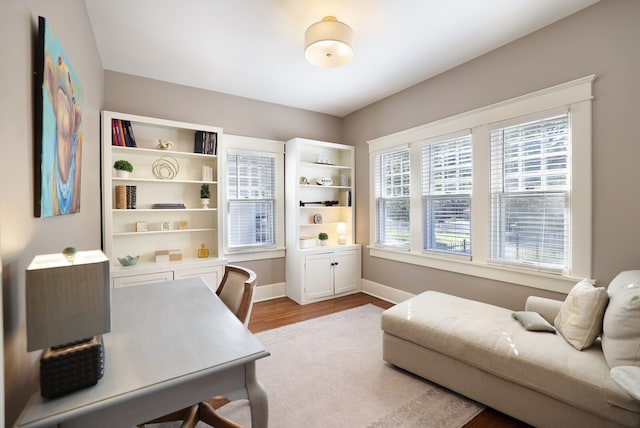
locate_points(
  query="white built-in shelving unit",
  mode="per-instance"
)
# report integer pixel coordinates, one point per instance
(180, 230)
(313, 271)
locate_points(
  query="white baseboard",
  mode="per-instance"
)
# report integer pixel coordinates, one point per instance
(384, 292)
(269, 292)
(390, 294)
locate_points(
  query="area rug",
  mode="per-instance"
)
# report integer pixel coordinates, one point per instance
(328, 372)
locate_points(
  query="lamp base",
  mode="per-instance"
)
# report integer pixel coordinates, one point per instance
(70, 367)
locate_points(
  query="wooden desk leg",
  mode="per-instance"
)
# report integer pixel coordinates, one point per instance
(257, 398)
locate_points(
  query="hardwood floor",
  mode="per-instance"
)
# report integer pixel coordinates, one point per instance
(279, 312)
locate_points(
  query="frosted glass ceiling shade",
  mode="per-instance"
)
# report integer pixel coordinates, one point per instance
(328, 43)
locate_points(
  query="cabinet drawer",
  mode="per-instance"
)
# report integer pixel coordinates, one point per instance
(212, 275)
(149, 278)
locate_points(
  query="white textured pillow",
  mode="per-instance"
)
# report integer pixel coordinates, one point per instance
(621, 328)
(580, 318)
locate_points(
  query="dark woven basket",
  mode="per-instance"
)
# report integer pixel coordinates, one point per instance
(71, 367)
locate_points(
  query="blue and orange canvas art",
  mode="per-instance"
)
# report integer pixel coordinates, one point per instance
(58, 133)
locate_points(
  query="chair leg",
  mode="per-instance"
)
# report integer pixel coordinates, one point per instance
(218, 401)
(191, 417)
(208, 415)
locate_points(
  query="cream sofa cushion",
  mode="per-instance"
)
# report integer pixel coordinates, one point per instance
(621, 329)
(580, 318)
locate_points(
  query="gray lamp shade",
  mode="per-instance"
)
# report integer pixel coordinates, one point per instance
(67, 300)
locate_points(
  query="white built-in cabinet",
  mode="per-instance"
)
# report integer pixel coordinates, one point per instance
(171, 176)
(314, 271)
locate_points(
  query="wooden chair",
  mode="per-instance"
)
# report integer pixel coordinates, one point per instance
(236, 291)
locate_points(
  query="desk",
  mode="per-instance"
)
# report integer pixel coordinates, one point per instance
(171, 345)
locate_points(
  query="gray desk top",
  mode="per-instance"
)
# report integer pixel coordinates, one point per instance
(160, 334)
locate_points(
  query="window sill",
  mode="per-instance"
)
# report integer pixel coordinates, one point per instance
(539, 280)
(243, 256)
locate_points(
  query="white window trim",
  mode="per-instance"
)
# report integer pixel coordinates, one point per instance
(235, 144)
(577, 95)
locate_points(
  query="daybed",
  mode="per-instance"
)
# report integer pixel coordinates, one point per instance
(542, 378)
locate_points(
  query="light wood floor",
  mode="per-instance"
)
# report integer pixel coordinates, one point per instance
(283, 311)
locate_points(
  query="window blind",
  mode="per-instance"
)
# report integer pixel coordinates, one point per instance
(530, 193)
(392, 190)
(251, 196)
(446, 190)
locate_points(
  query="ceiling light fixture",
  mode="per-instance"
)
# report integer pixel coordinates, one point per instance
(328, 43)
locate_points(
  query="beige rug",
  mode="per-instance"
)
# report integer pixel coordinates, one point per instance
(328, 372)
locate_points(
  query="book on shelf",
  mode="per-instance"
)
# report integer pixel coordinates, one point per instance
(122, 133)
(165, 206)
(206, 142)
(126, 197)
(115, 138)
(131, 197)
(345, 198)
(129, 132)
(121, 197)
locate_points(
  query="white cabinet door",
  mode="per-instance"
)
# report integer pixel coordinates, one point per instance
(149, 278)
(345, 271)
(212, 275)
(319, 275)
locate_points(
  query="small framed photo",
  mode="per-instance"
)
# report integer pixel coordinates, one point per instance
(141, 226)
(165, 225)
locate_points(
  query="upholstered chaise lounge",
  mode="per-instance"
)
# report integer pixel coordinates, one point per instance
(542, 378)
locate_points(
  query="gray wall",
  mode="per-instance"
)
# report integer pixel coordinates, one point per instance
(236, 115)
(602, 40)
(22, 236)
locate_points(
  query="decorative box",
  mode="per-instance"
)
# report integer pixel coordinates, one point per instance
(307, 242)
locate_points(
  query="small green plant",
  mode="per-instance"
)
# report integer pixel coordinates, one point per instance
(204, 191)
(123, 165)
(323, 236)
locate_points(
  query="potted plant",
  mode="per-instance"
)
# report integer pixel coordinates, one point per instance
(205, 195)
(323, 238)
(123, 168)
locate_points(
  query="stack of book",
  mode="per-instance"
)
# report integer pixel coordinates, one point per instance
(122, 133)
(206, 143)
(126, 197)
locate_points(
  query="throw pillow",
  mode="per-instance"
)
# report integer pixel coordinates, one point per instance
(621, 327)
(622, 280)
(533, 321)
(580, 318)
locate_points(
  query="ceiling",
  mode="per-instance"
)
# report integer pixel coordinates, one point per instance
(254, 48)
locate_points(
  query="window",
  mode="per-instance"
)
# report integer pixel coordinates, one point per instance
(392, 190)
(253, 197)
(447, 182)
(530, 193)
(501, 192)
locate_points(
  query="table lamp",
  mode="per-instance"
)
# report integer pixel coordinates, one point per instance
(68, 301)
(341, 229)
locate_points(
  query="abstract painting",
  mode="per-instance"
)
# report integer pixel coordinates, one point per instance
(58, 129)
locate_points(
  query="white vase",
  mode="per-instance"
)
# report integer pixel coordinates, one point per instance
(323, 242)
(122, 173)
(204, 202)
